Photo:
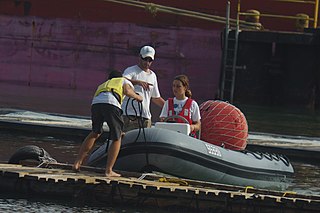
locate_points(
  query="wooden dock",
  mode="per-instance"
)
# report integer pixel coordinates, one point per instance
(149, 190)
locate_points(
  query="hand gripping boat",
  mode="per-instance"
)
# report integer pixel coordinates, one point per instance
(177, 154)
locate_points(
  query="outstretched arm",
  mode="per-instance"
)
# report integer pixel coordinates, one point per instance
(158, 101)
(128, 91)
(145, 85)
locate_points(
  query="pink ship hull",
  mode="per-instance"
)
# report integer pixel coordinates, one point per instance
(54, 53)
(44, 54)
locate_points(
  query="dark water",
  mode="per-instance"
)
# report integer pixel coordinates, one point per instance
(289, 121)
(282, 120)
(38, 205)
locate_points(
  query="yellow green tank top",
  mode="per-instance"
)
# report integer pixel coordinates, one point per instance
(112, 85)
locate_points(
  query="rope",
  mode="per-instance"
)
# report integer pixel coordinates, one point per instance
(45, 159)
(222, 125)
(174, 180)
(155, 8)
(247, 188)
(140, 121)
(138, 116)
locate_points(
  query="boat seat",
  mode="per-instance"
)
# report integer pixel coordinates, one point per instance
(178, 127)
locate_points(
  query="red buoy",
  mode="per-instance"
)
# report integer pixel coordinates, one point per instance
(224, 125)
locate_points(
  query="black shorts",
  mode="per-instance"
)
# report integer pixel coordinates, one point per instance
(101, 113)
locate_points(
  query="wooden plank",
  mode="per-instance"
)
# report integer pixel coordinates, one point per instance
(55, 181)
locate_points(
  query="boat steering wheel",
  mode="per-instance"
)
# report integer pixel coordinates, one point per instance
(174, 117)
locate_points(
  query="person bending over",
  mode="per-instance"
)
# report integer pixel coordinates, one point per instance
(106, 107)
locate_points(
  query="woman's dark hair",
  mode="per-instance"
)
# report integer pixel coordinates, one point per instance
(114, 74)
(185, 82)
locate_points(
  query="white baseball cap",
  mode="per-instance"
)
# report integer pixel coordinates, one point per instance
(147, 51)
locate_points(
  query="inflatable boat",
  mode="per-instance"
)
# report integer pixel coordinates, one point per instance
(179, 155)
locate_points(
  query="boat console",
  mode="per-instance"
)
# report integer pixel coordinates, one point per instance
(178, 127)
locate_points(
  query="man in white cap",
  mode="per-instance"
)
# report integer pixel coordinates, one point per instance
(145, 84)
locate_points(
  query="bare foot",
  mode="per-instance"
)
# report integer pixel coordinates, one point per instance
(112, 174)
(76, 167)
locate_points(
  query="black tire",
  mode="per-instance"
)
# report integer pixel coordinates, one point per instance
(29, 152)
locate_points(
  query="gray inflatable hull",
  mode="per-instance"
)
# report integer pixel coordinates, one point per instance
(182, 156)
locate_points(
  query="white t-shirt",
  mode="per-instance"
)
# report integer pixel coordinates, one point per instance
(136, 73)
(108, 97)
(177, 107)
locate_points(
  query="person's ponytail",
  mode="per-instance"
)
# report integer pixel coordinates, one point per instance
(188, 93)
(185, 82)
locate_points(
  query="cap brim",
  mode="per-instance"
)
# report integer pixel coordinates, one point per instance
(148, 55)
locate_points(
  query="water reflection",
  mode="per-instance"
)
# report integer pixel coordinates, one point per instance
(306, 179)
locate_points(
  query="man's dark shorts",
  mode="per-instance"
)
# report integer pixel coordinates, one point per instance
(101, 113)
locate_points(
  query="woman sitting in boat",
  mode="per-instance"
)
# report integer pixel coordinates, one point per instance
(182, 105)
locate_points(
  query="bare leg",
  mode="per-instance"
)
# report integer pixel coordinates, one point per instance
(112, 157)
(85, 148)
